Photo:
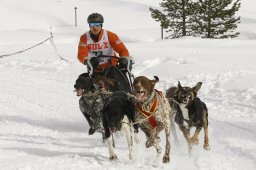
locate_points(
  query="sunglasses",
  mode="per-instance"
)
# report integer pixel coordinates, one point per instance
(92, 24)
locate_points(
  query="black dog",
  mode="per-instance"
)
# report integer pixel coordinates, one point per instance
(90, 102)
(118, 114)
(190, 112)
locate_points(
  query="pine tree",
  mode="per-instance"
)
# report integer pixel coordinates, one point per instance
(216, 18)
(175, 17)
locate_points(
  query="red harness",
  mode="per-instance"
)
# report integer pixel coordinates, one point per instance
(147, 114)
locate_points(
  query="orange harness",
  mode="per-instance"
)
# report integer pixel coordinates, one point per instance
(147, 114)
(151, 119)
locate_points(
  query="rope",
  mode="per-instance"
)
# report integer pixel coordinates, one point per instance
(139, 121)
(6, 55)
(56, 51)
(97, 92)
(142, 120)
(91, 94)
(185, 116)
(172, 99)
(152, 113)
(52, 43)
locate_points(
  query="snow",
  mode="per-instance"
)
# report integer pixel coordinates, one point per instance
(41, 126)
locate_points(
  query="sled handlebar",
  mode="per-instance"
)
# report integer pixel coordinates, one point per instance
(128, 63)
(108, 56)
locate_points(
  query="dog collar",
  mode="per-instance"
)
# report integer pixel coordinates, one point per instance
(95, 93)
(152, 95)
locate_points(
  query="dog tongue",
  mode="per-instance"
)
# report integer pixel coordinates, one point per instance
(139, 96)
(79, 92)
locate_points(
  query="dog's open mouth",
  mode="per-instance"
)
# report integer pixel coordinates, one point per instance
(186, 100)
(140, 95)
(79, 92)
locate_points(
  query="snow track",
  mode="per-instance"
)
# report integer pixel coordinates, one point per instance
(40, 120)
(41, 126)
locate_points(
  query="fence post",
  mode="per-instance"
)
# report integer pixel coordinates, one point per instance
(162, 32)
(75, 17)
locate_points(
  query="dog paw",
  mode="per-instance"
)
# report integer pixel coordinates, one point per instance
(194, 141)
(91, 131)
(113, 157)
(166, 159)
(207, 147)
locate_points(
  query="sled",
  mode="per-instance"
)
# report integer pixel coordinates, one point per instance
(123, 77)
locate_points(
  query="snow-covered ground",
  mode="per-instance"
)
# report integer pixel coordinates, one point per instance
(41, 126)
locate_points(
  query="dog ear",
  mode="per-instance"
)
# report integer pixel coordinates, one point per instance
(153, 82)
(96, 79)
(111, 82)
(179, 86)
(156, 78)
(172, 92)
(197, 87)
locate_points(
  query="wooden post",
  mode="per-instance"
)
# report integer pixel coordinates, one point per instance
(162, 32)
(75, 17)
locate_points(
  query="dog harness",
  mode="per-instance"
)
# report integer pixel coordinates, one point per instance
(148, 114)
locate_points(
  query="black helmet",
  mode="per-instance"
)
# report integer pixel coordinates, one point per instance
(95, 17)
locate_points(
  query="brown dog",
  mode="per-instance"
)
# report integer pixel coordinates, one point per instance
(153, 114)
(190, 112)
(103, 83)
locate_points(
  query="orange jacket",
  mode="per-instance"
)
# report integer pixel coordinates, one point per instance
(117, 45)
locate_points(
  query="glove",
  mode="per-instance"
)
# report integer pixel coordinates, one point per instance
(94, 61)
(124, 63)
(85, 61)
